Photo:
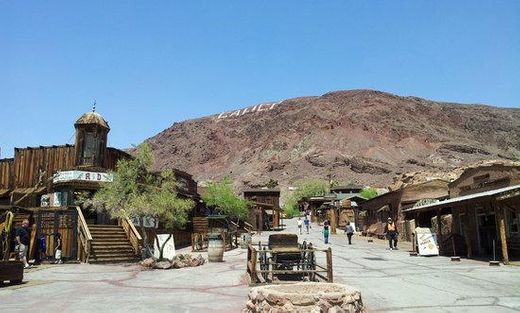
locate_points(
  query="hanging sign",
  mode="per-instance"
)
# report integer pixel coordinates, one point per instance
(66, 176)
(426, 241)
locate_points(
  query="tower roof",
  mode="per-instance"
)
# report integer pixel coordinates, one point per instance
(90, 118)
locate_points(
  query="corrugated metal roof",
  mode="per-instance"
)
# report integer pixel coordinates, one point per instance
(483, 194)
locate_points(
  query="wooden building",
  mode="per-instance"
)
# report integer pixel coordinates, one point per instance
(484, 205)
(377, 210)
(48, 181)
(265, 211)
(52, 175)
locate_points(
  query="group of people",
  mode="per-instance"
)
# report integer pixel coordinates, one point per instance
(23, 239)
(390, 230)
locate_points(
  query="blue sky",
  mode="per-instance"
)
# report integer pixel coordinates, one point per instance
(152, 63)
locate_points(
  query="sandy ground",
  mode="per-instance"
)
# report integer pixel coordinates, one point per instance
(388, 281)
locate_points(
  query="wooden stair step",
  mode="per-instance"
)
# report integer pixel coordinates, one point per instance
(113, 254)
(114, 260)
(118, 236)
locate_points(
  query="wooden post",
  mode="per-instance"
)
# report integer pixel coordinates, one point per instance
(333, 220)
(276, 217)
(502, 232)
(329, 265)
(439, 231)
(253, 265)
(467, 232)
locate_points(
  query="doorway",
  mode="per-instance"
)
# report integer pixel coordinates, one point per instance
(487, 232)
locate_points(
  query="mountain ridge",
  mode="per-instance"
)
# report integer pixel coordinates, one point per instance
(361, 136)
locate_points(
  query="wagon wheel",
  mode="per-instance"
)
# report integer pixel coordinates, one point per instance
(264, 263)
(311, 263)
(303, 256)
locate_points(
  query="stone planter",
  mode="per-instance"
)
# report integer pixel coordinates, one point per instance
(305, 297)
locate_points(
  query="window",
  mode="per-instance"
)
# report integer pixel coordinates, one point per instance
(90, 147)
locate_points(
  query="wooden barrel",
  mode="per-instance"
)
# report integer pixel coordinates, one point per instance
(215, 248)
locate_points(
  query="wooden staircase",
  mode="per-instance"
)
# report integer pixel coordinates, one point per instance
(110, 244)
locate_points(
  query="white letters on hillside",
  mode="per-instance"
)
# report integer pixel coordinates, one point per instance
(257, 108)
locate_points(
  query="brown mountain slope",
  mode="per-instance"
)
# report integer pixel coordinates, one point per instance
(362, 136)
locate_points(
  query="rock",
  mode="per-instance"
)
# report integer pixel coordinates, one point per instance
(163, 265)
(148, 262)
(250, 305)
(288, 307)
(178, 264)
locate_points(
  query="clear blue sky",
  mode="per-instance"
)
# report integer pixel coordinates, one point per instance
(152, 63)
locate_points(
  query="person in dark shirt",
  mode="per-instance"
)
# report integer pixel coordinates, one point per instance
(23, 238)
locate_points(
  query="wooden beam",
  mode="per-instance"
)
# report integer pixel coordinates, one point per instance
(333, 220)
(439, 232)
(502, 232)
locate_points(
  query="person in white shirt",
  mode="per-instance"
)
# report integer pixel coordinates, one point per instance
(300, 224)
(349, 230)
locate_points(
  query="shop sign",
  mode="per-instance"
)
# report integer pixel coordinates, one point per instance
(146, 222)
(426, 241)
(66, 176)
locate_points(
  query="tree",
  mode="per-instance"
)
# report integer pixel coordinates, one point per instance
(304, 189)
(137, 192)
(368, 193)
(220, 195)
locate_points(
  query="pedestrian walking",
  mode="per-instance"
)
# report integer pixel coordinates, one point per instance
(42, 247)
(391, 234)
(57, 249)
(326, 232)
(349, 230)
(23, 238)
(307, 224)
(299, 222)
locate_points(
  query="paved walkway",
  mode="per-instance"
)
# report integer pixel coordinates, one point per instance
(388, 280)
(392, 281)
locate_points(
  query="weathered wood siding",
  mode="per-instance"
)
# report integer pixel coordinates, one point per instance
(6, 173)
(484, 178)
(112, 155)
(28, 162)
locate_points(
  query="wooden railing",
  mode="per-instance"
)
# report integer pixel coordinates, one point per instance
(85, 238)
(248, 227)
(132, 234)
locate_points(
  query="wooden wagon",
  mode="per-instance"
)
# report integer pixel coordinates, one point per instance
(10, 270)
(283, 259)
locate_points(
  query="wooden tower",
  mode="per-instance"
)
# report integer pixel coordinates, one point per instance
(91, 140)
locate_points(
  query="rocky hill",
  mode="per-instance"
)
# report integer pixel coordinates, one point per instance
(360, 136)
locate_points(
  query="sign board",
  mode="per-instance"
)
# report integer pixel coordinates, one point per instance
(59, 199)
(66, 176)
(169, 247)
(147, 222)
(426, 241)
